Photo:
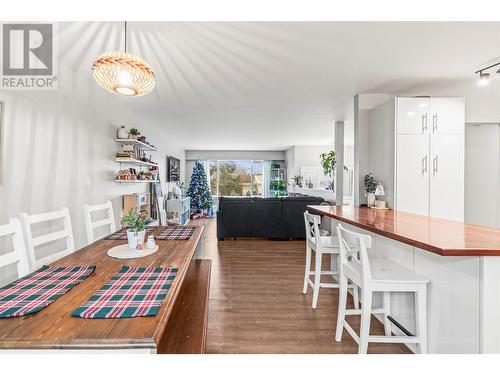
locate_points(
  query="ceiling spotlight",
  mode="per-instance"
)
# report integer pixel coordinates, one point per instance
(484, 78)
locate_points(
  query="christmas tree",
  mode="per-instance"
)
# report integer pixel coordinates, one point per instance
(199, 192)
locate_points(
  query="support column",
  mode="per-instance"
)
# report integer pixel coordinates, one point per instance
(339, 154)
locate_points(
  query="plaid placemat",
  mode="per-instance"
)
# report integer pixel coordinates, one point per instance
(132, 292)
(35, 291)
(121, 234)
(175, 233)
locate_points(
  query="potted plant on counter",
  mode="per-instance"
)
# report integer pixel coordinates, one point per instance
(370, 187)
(136, 228)
(297, 179)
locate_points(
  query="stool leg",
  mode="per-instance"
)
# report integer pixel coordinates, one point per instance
(366, 313)
(387, 309)
(308, 269)
(355, 296)
(317, 278)
(342, 307)
(421, 310)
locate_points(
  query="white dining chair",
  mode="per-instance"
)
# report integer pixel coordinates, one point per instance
(108, 221)
(320, 244)
(161, 210)
(376, 275)
(18, 255)
(33, 242)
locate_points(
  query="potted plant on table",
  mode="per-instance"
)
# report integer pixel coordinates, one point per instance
(329, 162)
(136, 228)
(370, 187)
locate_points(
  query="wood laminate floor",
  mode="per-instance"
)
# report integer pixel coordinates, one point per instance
(257, 306)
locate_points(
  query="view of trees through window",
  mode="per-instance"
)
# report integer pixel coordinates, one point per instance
(243, 178)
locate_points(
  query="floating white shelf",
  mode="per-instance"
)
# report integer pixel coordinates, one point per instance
(136, 143)
(135, 161)
(136, 181)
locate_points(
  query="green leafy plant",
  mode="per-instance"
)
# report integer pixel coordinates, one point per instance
(328, 163)
(133, 221)
(134, 131)
(370, 184)
(298, 180)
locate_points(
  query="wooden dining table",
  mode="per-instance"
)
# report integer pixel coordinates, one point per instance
(54, 328)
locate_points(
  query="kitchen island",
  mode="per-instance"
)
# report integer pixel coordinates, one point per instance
(461, 261)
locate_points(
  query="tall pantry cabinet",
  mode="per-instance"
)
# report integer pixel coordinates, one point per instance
(429, 163)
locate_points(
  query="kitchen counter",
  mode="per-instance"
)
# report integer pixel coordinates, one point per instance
(443, 237)
(461, 262)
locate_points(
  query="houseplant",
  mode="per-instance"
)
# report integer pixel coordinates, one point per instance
(297, 179)
(133, 133)
(370, 187)
(328, 163)
(136, 228)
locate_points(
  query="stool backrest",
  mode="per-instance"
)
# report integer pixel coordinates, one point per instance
(90, 225)
(32, 242)
(162, 213)
(19, 255)
(354, 262)
(312, 223)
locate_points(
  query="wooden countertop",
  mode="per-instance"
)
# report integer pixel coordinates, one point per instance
(443, 237)
(54, 328)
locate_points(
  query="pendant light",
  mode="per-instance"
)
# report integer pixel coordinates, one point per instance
(123, 73)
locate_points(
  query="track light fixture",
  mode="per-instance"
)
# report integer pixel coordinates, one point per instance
(484, 76)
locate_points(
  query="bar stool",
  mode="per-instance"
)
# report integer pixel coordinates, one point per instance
(325, 245)
(376, 275)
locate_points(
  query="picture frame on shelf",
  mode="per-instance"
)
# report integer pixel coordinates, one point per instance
(173, 169)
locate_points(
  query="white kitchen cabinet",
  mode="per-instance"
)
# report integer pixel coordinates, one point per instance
(412, 115)
(446, 188)
(447, 116)
(429, 158)
(412, 171)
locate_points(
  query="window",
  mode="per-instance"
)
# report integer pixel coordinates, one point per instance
(239, 178)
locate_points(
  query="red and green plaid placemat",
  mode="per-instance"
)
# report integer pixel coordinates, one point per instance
(132, 292)
(121, 234)
(35, 291)
(176, 233)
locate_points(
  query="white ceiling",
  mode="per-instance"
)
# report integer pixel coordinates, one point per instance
(269, 85)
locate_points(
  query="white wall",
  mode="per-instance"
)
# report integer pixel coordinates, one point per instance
(55, 140)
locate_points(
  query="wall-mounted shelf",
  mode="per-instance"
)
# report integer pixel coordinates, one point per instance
(136, 181)
(136, 162)
(136, 143)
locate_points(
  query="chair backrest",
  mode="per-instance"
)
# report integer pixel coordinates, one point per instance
(161, 210)
(90, 225)
(19, 255)
(312, 223)
(354, 262)
(33, 242)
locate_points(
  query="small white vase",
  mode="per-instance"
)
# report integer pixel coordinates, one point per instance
(370, 197)
(122, 133)
(134, 238)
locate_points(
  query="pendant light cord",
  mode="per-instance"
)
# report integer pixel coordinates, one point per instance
(125, 36)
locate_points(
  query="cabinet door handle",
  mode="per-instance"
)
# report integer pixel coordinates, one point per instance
(435, 164)
(424, 164)
(424, 123)
(435, 123)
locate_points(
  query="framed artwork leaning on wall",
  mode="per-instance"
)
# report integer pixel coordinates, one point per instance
(173, 169)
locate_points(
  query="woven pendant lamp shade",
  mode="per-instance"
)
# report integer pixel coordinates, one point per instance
(124, 74)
